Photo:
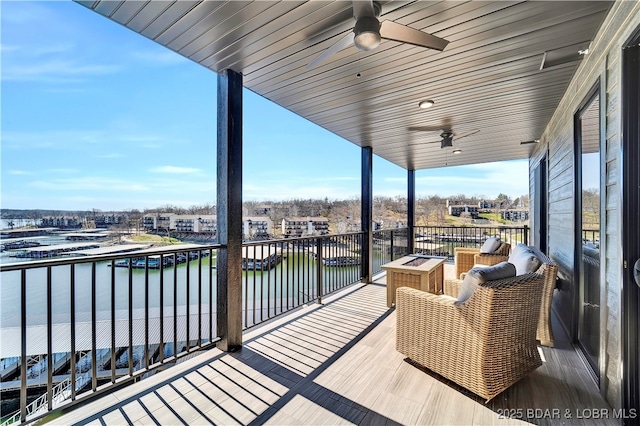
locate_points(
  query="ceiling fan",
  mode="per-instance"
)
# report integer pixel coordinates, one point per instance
(446, 137)
(368, 32)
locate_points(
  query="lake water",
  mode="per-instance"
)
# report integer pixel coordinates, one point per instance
(291, 282)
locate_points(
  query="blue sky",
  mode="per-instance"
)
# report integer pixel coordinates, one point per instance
(95, 116)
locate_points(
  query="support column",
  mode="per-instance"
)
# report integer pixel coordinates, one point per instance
(366, 214)
(229, 211)
(411, 210)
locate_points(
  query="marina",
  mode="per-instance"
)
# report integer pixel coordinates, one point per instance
(19, 243)
(46, 252)
(262, 257)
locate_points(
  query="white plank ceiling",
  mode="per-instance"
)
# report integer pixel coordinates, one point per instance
(488, 78)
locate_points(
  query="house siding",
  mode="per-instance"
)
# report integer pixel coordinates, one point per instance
(603, 63)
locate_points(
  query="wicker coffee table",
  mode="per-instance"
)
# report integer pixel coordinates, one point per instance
(424, 273)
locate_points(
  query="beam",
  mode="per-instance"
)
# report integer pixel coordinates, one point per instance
(229, 211)
(366, 210)
(411, 210)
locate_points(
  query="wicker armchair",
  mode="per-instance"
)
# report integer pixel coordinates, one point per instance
(485, 344)
(549, 271)
(466, 257)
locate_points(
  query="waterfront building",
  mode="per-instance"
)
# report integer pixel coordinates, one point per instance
(256, 227)
(300, 226)
(458, 210)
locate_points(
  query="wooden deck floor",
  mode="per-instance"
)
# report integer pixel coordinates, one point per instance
(337, 364)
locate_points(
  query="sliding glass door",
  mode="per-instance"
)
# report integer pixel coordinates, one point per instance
(588, 227)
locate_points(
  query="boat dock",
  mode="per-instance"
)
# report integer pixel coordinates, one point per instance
(337, 256)
(44, 252)
(120, 248)
(85, 236)
(262, 257)
(26, 232)
(19, 243)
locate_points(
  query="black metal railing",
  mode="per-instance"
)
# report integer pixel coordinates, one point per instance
(442, 240)
(388, 245)
(81, 325)
(281, 275)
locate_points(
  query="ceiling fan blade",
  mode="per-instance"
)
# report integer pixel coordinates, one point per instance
(398, 32)
(438, 140)
(465, 134)
(343, 43)
(425, 128)
(363, 8)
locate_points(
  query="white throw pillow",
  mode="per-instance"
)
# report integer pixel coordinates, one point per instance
(525, 261)
(521, 247)
(491, 245)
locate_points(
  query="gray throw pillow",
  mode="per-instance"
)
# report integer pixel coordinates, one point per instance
(477, 276)
(525, 261)
(491, 245)
(469, 285)
(495, 272)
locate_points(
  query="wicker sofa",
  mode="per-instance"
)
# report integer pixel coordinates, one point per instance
(485, 344)
(466, 257)
(549, 270)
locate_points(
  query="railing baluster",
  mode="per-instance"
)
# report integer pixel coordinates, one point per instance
(23, 346)
(94, 356)
(255, 265)
(199, 298)
(188, 296)
(130, 318)
(146, 314)
(211, 290)
(161, 309)
(268, 269)
(245, 291)
(113, 321)
(175, 308)
(49, 342)
(319, 270)
(72, 320)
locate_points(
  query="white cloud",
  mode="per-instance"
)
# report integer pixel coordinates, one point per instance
(109, 155)
(489, 179)
(89, 183)
(63, 170)
(158, 57)
(55, 71)
(175, 170)
(6, 48)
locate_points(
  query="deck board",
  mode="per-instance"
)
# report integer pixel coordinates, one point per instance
(336, 364)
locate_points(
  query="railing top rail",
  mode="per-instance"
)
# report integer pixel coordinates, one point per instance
(32, 264)
(290, 239)
(472, 226)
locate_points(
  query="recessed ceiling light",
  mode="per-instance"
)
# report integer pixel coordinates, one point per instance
(457, 151)
(428, 103)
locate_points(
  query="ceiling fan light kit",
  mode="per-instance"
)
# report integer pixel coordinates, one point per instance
(367, 33)
(447, 139)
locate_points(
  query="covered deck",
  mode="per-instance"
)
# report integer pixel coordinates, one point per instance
(336, 363)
